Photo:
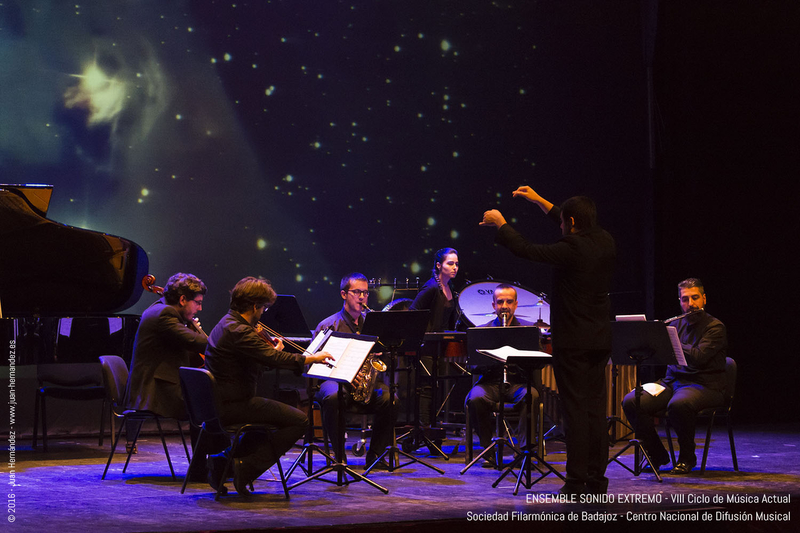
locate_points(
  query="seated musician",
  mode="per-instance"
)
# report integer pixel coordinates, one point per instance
(490, 389)
(354, 289)
(236, 355)
(686, 389)
(168, 338)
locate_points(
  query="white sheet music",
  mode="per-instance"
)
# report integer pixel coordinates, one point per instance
(348, 356)
(504, 352)
(677, 348)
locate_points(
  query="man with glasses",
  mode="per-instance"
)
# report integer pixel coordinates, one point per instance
(493, 386)
(354, 289)
(168, 338)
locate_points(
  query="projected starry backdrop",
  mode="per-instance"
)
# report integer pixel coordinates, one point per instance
(300, 140)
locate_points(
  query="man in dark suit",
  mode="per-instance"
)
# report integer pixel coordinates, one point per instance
(495, 386)
(583, 263)
(236, 355)
(168, 338)
(685, 390)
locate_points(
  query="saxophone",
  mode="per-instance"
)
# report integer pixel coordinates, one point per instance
(364, 382)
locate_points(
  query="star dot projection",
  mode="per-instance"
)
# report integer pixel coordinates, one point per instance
(295, 140)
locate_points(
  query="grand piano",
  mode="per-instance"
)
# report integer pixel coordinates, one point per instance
(61, 287)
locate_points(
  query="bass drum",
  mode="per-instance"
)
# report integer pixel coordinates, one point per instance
(475, 301)
(400, 304)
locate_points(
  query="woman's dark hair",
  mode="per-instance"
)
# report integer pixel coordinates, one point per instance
(439, 257)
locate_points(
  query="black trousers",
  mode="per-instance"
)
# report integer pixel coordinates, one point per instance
(581, 380)
(380, 405)
(484, 398)
(255, 451)
(682, 401)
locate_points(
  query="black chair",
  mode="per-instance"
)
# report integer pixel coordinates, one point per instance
(115, 380)
(199, 392)
(714, 413)
(76, 381)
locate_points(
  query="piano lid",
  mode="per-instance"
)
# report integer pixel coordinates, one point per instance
(51, 269)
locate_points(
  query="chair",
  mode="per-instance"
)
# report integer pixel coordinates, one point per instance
(199, 392)
(115, 380)
(75, 381)
(502, 429)
(713, 413)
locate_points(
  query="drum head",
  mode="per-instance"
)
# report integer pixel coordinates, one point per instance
(475, 302)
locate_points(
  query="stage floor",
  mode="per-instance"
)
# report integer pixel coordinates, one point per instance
(61, 491)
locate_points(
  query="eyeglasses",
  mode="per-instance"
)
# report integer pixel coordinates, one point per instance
(358, 292)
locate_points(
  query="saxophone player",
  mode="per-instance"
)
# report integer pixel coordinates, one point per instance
(354, 290)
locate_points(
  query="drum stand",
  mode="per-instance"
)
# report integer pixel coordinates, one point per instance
(337, 463)
(614, 419)
(393, 451)
(419, 434)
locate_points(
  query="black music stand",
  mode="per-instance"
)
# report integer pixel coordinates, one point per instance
(425, 435)
(395, 329)
(337, 463)
(640, 343)
(286, 317)
(523, 339)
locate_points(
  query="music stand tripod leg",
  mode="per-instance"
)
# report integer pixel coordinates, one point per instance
(635, 443)
(339, 466)
(393, 451)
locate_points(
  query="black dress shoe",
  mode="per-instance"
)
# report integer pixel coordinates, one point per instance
(658, 461)
(489, 462)
(683, 468)
(216, 464)
(380, 465)
(240, 482)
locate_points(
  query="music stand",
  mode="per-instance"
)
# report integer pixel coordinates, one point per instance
(286, 317)
(336, 463)
(524, 340)
(640, 343)
(395, 329)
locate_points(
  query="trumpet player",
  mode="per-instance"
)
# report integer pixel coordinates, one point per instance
(354, 290)
(493, 385)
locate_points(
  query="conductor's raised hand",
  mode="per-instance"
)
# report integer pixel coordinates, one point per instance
(527, 193)
(533, 196)
(493, 217)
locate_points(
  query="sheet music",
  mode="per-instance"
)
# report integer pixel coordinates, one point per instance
(504, 352)
(677, 348)
(348, 356)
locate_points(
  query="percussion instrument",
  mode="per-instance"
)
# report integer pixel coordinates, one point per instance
(475, 301)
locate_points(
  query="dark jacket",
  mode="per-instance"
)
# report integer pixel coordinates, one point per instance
(163, 344)
(430, 296)
(236, 355)
(583, 264)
